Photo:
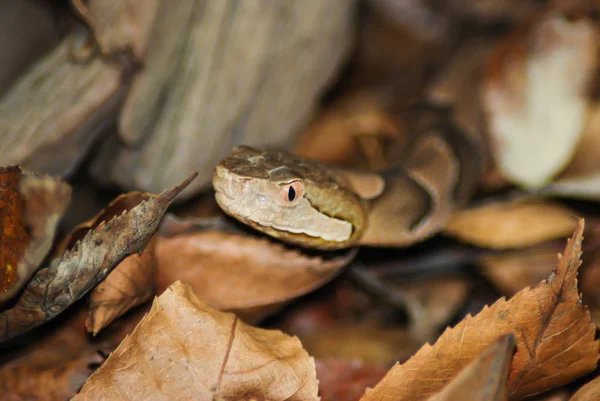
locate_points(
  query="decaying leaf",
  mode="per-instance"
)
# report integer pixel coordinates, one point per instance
(553, 332)
(53, 368)
(536, 96)
(120, 25)
(122, 230)
(485, 378)
(184, 349)
(589, 392)
(30, 209)
(516, 224)
(53, 113)
(512, 271)
(240, 273)
(131, 283)
(346, 380)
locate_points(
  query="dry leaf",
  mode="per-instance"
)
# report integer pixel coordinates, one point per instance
(485, 378)
(30, 208)
(536, 97)
(589, 392)
(552, 328)
(131, 283)
(241, 272)
(120, 25)
(117, 234)
(510, 272)
(581, 178)
(184, 349)
(515, 224)
(54, 367)
(346, 380)
(366, 342)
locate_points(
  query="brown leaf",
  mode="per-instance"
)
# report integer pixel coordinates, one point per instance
(536, 95)
(119, 232)
(131, 283)
(515, 224)
(552, 328)
(485, 378)
(30, 208)
(239, 273)
(120, 25)
(346, 380)
(589, 392)
(510, 272)
(184, 349)
(54, 367)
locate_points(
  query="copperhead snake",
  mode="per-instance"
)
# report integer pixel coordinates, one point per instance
(310, 204)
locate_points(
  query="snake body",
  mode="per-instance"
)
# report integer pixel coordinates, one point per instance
(307, 203)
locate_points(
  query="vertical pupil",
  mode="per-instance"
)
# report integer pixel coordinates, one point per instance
(291, 194)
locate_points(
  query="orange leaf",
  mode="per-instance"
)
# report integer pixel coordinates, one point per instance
(184, 349)
(485, 378)
(30, 208)
(131, 283)
(553, 331)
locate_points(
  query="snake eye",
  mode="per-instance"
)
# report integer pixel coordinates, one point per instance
(291, 192)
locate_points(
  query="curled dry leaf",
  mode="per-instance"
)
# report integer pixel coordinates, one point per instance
(242, 273)
(52, 114)
(120, 25)
(589, 392)
(131, 283)
(30, 208)
(536, 97)
(516, 224)
(346, 380)
(118, 233)
(184, 349)
(553, 331)
(485, 378)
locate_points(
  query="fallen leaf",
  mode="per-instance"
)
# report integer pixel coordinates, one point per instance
(120, 25)
(516, 224)
(121, 232)
(581, 178)
(240, 272)
(131, 283)
(553, 331)
(52, 368)
(485, 378)
(346, 380)
(589, 392)
(536, 96)
(368, 342)
(512, 271)
(184, 349)
(30, 208)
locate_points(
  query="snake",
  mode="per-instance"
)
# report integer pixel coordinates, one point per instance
(311, 204)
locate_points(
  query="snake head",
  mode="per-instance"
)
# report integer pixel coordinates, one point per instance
(296, 200)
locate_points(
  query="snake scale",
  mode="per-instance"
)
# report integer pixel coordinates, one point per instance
(310, 204)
